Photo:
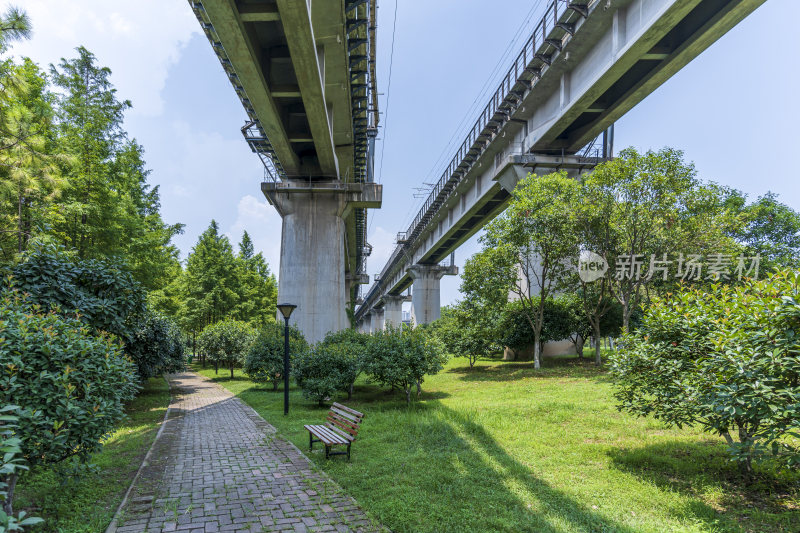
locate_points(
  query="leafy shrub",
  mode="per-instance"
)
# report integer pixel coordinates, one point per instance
(355, 347)
(264, 361)
(325, 369)
(71, 385)
(11, 463)
(227, 342)
(156, 346)
(401, 357)
(727, 359)
(465, 332)
(103, 295)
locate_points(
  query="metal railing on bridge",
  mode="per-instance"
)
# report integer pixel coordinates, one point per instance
(547, 38)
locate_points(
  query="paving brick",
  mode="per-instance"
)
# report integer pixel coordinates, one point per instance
(224, 469)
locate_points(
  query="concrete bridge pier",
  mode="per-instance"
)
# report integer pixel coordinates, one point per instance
(425, 293)
(313, 256)
(378, 319)
(393, 310)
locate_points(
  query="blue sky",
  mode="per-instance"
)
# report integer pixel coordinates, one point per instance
(733, 110)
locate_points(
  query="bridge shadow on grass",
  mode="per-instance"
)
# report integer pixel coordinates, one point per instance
(700, 468)
(438, 470)
(551, 367)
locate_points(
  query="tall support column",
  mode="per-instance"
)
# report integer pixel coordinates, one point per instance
(425, 294)
(313, 256)
(368, 323)
(378, 319)
(393, 310)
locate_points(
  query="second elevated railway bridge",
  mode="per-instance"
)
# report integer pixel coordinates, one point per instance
(305, 74)
(583, 67)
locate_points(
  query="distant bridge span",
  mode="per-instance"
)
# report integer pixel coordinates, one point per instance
(584, 66)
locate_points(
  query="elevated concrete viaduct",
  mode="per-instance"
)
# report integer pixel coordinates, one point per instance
(586, 64)
(305, 73)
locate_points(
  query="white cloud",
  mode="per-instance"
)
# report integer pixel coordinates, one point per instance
(138, 40)
(263, 223)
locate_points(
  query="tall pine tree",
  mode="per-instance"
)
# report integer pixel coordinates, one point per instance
(258, 290)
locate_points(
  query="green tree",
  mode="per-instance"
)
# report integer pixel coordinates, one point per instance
(658, 208)
(325, 369)
(90, 127)
(257, 288)
(401, 357)
(768, 228)
(107, 208)
(102, 294)
(14, 25)
(264, 360)
(227, 342)
(485, 284)
(29, 174)
(210, 282)
(156, 346)
(537, 233)
(724, 357)
(72, 385)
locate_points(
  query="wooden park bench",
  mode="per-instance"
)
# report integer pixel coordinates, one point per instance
(340, 428)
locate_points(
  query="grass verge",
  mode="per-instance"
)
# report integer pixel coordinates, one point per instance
(504, 447)
(85, 503)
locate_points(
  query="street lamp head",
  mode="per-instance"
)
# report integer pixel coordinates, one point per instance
(286, 309)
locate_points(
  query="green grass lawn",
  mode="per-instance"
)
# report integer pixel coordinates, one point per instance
(503, 447)
(86, 503)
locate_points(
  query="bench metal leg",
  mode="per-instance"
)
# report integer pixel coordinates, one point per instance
(327, 451)
(310, 441)
(348, 452)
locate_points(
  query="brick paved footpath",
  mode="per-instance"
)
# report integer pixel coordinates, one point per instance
(219, 466)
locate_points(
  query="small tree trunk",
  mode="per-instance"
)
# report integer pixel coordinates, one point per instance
(19, 227)
(350, 391)
(274, 385)
(231, 368)
(598, 359)
(216, 367)
(408, 395)
(626, 316)
(419, 389)
(8, 505)
(536, 349)
(579, 346)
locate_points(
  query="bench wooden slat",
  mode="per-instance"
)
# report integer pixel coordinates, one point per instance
(338, 431)
(348, 410)
(326, 435)
(347, 416)
(330, 436)
(344, 424)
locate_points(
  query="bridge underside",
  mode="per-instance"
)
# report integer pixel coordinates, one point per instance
(305, 74)
(584, 68)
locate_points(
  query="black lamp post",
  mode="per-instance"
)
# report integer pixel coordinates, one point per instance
(286, 311)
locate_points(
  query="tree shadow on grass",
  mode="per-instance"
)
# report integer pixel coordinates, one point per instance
(551, 367)
(699, 468)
